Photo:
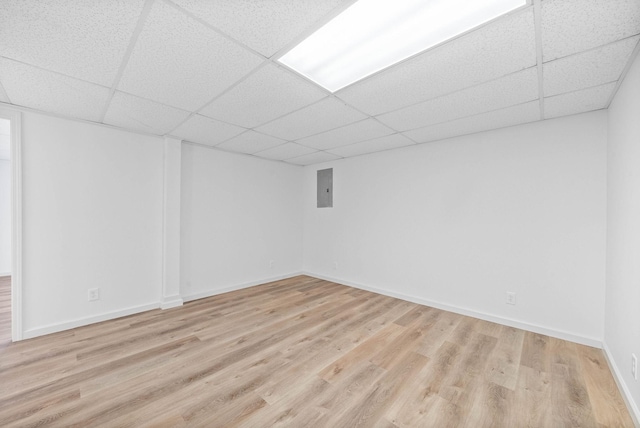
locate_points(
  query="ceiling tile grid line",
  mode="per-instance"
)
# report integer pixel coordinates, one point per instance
(311, 158)
(62, 75)
(3, 95)
(571, 26)
(128, 110)
(582, 89)
(132, 42)
(209, 72)
(634, 55)
(410, 132)
(513, 89)
(510, 116)
(285, 151)
(268, 58)
(399, 131)
(266, 27)
(537, 17)
(468, 33)
(205, 146)
(591, 49)
(226, 138)
(211, 27)
(181, 62)
(256, 128)
(250, 142)
(327, 114)
(50, 91)
(588, 68)
(490, 52)
(156, 102)
(202, 129)
(281, 80)
(255, 135)
(319, 23)
(370, 146)
(475, 85)
(297, 110)
(590, 99)
(84, 40)
(197, 111)
(363, 130)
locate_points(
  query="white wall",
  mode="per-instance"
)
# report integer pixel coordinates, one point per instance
(238, 214)
(5, 217)
(460, 222)
(622, 330)
(92, 212)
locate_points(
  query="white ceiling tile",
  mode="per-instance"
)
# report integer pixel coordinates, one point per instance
(322, 116)
(47, 91)
(587, 69)
(312, 158)
(250, 142)
(82, 39)
(578, 102)
(265, 95)
(266, 26)
(349, 134)
(510, 116)
(497, 49)
(377, 145)
(3, 95)
(285, 151)
(180, 62)
(506, 91)
(131, 112)
(571, 26)
(204, 130)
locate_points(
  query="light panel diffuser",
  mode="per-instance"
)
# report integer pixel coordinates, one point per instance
(373, 34)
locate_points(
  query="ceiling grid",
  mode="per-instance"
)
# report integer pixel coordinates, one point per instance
(537, 16)
(207, 72)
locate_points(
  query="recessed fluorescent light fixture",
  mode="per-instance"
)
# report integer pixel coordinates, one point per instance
(373, 34)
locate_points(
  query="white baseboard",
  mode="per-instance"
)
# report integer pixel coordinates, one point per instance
(174, 301)
(622, 385)
(589, 341)
(209, 293)
(171, 302)
(54, 328)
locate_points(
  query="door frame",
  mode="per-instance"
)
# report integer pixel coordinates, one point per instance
(15, 119)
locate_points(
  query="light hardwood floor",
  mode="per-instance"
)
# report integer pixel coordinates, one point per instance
(5, 311)
(304, 352)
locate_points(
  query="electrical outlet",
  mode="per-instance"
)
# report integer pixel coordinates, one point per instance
(93, 294)
(511, 298)
(271, 263)
(634, 366)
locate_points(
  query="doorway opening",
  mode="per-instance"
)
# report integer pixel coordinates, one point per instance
(5, 231)
(10, 227)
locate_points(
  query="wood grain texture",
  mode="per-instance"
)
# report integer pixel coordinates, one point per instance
(5, 311)
(302, 352)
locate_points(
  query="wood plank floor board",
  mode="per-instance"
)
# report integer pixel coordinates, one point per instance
(375, 402)
(504, 361)
(603, 392)
(303, 352)
(420, 395)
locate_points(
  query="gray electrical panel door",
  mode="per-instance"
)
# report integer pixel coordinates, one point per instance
(325, 188)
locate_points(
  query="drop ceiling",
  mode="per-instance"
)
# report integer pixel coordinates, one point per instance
(206, 71)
